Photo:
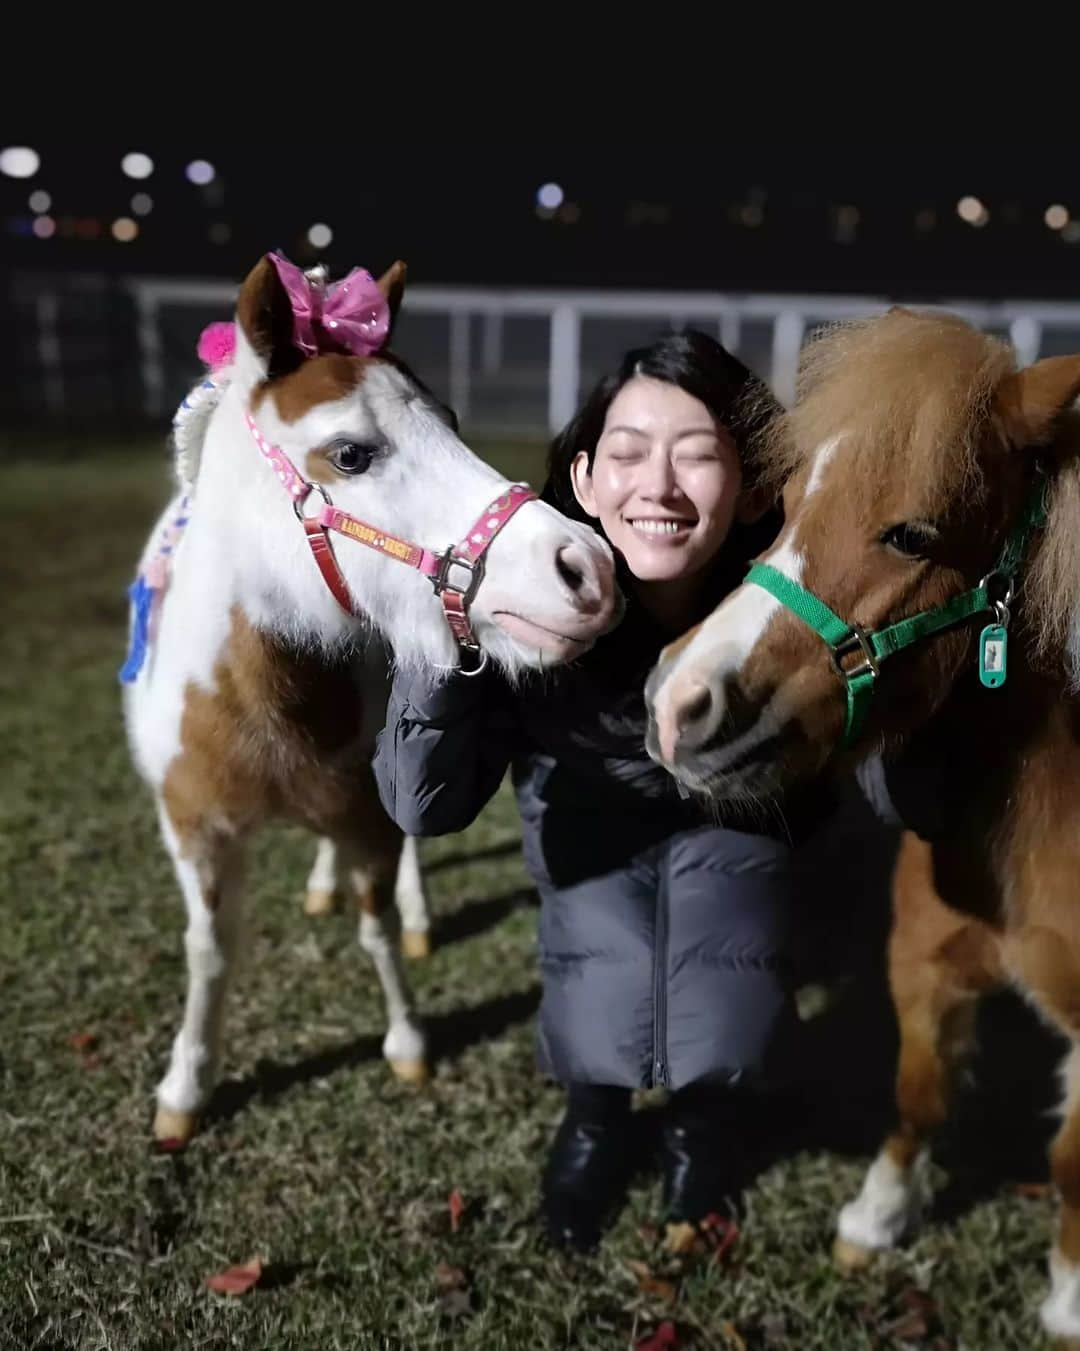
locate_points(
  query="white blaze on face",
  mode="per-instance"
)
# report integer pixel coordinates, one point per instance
(823, 457)
(723, 644)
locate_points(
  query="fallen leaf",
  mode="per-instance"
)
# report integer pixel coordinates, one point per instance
(84, 1041)
(731, 1332)
(236, 1280)
(1034, 1191)
(720, 1233)
(919, 1302)
(913, 1327)
(456, 1204)
(714, 1235)
(450, 1278)
(650, 1284)
(665, 1338)
(90, 1062)
(665, 1291)
(681, 1237)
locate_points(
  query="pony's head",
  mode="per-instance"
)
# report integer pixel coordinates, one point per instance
(911, 465)
(355, 422)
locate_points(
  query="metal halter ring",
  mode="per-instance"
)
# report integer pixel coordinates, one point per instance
(298, 502)
(998, 577)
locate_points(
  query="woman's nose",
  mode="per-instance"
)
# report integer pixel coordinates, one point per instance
(659, 478)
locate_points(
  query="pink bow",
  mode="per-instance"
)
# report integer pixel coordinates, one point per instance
(350, 315)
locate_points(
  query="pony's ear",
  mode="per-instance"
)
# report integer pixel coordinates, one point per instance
(1031, 401)
(392, 285)
(264, 326)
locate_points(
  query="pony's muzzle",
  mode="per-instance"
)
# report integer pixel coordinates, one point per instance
(587, 577)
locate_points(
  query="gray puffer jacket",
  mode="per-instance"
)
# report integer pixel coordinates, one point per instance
(663, 933)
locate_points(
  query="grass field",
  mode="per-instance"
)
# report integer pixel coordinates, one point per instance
(313, 1157)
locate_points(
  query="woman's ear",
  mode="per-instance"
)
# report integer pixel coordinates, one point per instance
(581, 482)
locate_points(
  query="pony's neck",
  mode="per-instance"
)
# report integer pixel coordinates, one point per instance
(287, 691)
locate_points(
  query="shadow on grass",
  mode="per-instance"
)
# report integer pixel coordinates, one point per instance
(477, 917)
(449, 1035)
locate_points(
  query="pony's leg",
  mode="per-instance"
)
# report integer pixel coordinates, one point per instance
(369, 860)
(939, 963)
(322, 883)
(1061, 1308)
(411, 902)
(1047, 962)
(209, 868)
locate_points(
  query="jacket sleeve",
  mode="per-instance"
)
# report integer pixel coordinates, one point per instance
(444, 749)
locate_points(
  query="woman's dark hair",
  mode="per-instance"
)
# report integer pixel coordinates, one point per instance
(737, 399)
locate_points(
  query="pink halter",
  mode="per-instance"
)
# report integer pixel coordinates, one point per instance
(467, 554)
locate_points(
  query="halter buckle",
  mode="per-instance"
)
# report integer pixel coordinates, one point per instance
(857, 640)
(442, 581)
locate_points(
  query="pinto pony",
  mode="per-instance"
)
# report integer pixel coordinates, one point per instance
(328, 503)
(927, 577)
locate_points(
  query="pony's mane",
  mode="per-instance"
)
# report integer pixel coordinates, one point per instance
(920, 385)
(190, 424)
(860, 378)
(1051, 582)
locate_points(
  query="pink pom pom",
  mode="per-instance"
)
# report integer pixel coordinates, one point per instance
(217, 343)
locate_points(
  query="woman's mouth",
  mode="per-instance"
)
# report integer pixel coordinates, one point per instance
(660, 529)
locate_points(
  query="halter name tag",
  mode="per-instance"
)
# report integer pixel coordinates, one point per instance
(993, 656)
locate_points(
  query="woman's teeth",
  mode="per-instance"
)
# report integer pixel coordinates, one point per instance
(654, 527)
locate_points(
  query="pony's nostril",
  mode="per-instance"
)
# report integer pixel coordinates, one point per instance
(570, 572)
(697, 708)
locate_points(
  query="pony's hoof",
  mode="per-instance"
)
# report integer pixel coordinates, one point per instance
(410, 1071)
(851, 1257)
(416, 943)
(318, 902)
(174, 1129)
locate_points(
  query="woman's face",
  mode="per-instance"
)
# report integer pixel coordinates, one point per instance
(664, 481)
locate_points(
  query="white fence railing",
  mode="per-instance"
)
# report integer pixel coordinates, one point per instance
(468, 343)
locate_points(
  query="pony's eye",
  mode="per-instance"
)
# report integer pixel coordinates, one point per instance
(912, 539)
(351, 457)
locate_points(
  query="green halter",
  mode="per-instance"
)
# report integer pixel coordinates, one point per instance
(844, 638)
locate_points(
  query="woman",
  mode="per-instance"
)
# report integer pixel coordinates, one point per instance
(663, 932)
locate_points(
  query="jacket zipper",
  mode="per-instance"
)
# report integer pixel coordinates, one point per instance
(660, 969)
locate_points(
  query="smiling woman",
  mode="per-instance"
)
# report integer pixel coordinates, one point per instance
(663, 483)
(663, 931)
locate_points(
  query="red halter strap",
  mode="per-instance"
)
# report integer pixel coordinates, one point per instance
(456, 573)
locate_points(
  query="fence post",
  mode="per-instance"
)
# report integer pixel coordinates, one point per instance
(47, 311)
(787, 340)
(148, 335)
(1025, 334)
(563, 369)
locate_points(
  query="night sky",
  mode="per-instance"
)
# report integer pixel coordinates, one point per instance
(880, 218)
